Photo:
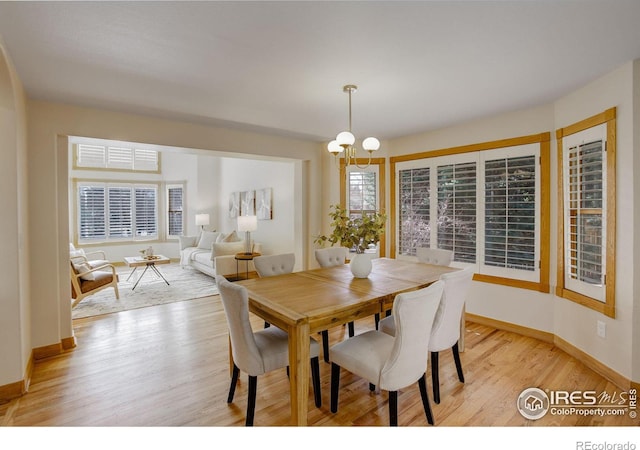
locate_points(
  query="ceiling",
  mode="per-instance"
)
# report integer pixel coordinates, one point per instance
(280, 66)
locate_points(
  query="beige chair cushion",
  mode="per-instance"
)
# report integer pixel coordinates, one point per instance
(331, 256)
(394, 362)
(270, 265)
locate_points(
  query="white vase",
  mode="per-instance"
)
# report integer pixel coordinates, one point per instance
(361, 265)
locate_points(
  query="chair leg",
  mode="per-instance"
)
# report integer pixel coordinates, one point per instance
(315, 378)
(351, 329)
(377, 319)
(335, 386)
(234, 381)
(267, 324)
(393, 408)
(325, 345)
(422, 382)
(372, 387)
(456, 358)
(435, 379)
(251, 401)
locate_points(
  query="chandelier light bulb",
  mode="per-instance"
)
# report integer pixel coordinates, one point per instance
(334, 147)
(371, 144)
(345, 139)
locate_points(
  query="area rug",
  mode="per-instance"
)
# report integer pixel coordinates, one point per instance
(184, 284)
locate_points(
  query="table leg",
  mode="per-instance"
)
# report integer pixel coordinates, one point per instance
(299, 362)
(132, 272)
(140, 277)
(155, 269)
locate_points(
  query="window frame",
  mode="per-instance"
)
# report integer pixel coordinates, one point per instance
(377, 164)
(606, 119)
(106, 184)
(542, 140)
(167, 211)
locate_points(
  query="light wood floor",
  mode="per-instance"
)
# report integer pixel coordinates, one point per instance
(168, 366)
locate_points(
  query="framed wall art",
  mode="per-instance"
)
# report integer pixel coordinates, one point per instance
(263, 204)
(248, 203)
(234, 205)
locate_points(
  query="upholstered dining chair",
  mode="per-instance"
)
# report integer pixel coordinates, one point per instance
(257, 353)
(437, 256)
(272, 265)
(445, 333)
(392, 362)
(330, 257)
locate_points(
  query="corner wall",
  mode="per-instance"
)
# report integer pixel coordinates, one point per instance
(15, 343)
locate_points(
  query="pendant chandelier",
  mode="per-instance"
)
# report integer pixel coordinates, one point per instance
(344, 142)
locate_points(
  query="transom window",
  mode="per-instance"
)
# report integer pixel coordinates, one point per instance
(91, 156)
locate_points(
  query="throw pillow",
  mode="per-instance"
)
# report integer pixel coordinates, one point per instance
(207, 239)
(84, 267)
(76, 253)
(231, 237)
(227, 248)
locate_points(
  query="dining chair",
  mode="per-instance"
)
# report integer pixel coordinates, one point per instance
(437, 256)
(272, 265)
(259, 352)
(330, 257)
(392, 362)
(445, 333)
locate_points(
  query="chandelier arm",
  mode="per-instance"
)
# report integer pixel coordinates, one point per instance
(355, 161)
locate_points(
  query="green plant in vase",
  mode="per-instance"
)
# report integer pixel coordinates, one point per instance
(358, 232)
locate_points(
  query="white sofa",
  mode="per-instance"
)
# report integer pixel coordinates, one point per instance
(213, 253)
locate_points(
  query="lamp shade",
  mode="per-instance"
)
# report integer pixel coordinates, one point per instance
(334, 147)
(345, 139)
(371, 144)
(247, 223)
(202, 219)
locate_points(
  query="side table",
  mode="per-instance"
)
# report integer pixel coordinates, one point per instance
(246, 257)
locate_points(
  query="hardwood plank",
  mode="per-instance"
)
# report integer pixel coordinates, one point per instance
(168, 366)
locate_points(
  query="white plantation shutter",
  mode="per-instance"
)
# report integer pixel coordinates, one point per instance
(117, 158)
(145, 160)
(457, 210)
(146, 212)
(120, 217)
(584, 213)
(510, 213)
(91, 156)
(175, 210)
(116, 212)
(91, 206)
(414, 225)
(363, 192)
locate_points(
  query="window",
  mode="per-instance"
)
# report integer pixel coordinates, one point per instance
(117, 212)
(89, 156)
(586, 157)
(484, 202)
(362, 191)
(414, 223)
(175, 210)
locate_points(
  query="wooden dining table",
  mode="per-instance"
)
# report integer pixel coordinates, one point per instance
(310, 301)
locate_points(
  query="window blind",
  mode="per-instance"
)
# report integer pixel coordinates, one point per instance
(414, 225)
(145, 211)
(175, 210)
(92, 212)
(118, 158)
(510, 223)
(120, 212)
(585, 212)
(362, 192)
(457, 210)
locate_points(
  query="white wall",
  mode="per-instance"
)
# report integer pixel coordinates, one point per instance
(546, 312)
(277, 235)
(519, 306)
(48, 186)
(15, 305)
(573, 322)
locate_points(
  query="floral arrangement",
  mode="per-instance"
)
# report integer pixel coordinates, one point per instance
(357, 232)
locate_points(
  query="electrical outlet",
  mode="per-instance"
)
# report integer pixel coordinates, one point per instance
(602, 329)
